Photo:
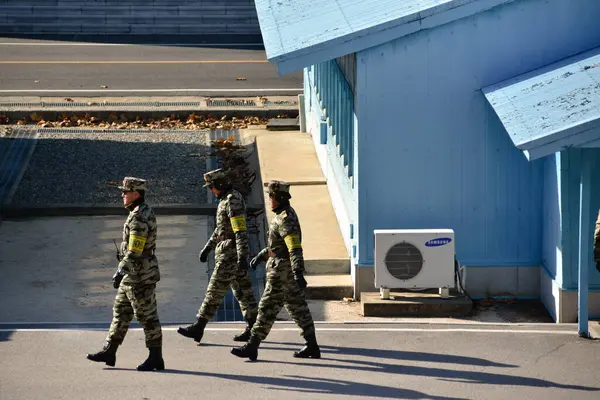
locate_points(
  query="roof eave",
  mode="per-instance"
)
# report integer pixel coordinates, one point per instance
(374, 36)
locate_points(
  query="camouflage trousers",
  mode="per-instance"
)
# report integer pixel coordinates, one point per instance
(224, 276)
(282, 289)
(138, 301)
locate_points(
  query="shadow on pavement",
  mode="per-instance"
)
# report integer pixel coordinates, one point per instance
(450, 375)
(319, 385)
(5, 336)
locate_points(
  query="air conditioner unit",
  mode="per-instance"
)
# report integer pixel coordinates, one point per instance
(414, 258)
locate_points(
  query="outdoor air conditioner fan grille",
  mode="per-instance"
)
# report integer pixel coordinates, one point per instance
(403, 261)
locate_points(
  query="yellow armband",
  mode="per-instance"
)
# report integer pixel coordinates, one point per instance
(136, 243)
(238, 223)
(292, 242)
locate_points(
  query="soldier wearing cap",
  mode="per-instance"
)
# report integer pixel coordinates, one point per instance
(285, 277)
(135, 280)
(230, 242)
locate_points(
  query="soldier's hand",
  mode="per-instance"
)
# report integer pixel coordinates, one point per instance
(300, 281)
(242, 264)
(254, 262)
(117, 278)
(204, 254)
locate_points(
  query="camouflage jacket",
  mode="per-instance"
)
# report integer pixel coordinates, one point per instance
(285, 239)
(231, 223)
(138, 245)
(597, 240)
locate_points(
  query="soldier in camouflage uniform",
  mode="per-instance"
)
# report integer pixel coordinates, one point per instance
(230, 242)
(135, 280)
(285, 278)
(597, 243)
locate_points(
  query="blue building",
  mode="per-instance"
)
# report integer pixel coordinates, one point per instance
(482, 116)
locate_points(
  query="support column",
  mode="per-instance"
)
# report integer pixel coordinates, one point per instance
(585, 183)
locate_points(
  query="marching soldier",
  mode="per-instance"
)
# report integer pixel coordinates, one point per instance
(230, 242)
(135, 280)
(285, 278)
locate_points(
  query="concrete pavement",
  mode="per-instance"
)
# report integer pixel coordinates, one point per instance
(358, 362)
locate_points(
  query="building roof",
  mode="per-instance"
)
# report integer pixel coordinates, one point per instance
(299, 33)
(552, 108)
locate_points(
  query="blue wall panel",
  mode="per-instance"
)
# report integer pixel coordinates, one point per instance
(432, 151)
(552, 248)
(571, 169)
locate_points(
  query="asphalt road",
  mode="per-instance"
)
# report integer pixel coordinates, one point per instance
(360, 361)
(51, 68)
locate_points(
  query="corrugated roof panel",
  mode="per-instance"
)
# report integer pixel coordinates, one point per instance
(293, 28)
(553, 107)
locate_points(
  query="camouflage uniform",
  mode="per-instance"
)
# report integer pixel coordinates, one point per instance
(135, 295)
(285, 263)
(597, 243)
(230, 242)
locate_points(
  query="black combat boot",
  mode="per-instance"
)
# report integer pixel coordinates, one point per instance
(249, 350)
(154, 360)
(310, 349)
(107, 355)
(245, 336)
(194, 331)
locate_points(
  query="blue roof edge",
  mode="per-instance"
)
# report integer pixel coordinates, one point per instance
(374, 36)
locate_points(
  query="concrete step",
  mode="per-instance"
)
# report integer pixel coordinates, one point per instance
(328, 287)
(327, 266)
(414, 304)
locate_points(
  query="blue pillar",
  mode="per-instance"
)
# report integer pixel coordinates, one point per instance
(584, 243)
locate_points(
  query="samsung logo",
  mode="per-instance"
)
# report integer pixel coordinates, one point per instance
(438, 242)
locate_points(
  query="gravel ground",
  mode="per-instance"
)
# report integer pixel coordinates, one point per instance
(86, 167)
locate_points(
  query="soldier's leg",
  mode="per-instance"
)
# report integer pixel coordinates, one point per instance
(220, 281)
(268, 308)
(242, 290)
(296, 306)
(122, 316)
(270, 305)
(145, 309)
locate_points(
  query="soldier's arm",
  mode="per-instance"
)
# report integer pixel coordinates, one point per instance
(236, 211)
(138, 234)
(263, 254)
(212, 240)
(289, 229)
(597, 240)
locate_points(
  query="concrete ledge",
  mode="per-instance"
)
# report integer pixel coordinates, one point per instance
(328, 287)
(405, 304)
(67, 210)
(328, 266)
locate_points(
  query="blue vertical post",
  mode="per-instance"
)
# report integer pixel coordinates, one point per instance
(584, 243)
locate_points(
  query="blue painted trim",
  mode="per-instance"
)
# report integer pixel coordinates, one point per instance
(323, 132)
(584, 245)
(373, 36)
(351, 231)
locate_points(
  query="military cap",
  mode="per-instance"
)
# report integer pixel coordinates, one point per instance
(211, 176)
(278, 187)
(131, 184)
